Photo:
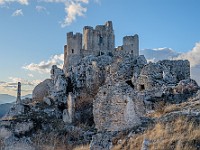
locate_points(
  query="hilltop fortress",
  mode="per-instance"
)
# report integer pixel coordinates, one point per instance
(102, 95)
(98, 41)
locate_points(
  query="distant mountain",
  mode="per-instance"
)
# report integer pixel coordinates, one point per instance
(5, 98)
(6, 101)
(4, 108)
(159, 54)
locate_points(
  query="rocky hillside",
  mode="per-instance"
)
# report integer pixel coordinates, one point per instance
(108, 102)
(173, 127)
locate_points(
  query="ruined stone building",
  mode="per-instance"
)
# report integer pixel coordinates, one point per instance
(101, 94)
(96, 41)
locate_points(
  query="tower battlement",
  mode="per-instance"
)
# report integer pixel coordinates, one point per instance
(131, 44)
(97, 41)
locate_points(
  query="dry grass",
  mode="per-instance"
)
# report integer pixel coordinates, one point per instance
(162, 110)
(82, 147)
(180, 134)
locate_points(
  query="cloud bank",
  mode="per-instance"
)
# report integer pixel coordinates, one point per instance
(45, 66)
(73, 9)
(22, 2)
(12, 84)
(193, 56)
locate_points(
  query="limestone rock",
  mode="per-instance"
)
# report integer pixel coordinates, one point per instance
(69, 113)
(42, 90)
(101, 141)
(145, 144)
(16, 109)
(14, 143)
(123, 68)
(22, 128)
(5, 133)
(47, 100)
(116, 108)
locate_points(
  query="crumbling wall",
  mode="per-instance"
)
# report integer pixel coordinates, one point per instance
(115, 108)
(131, 44)
(72, 51)
(155, 75)
(180, 69)
(100, 39)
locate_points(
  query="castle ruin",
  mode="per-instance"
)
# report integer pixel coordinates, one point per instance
(96, 41)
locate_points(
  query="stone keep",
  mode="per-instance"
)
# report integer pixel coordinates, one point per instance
(96, 41)
(100, 39)
(72, 49)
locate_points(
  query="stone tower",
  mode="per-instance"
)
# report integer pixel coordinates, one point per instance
(101, 39)
(131, 44)
(72, 51)
(74, 43)
(96, 41)
(18, 93)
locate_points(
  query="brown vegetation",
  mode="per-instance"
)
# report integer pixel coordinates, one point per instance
(182, 133)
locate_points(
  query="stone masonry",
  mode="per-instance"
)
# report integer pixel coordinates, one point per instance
(19, 93)
(96, 41)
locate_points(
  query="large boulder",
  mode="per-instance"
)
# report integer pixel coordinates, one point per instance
(42, 90)
(116, 108)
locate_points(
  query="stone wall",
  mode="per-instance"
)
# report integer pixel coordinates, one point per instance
(163, 72)
(131, 44)
(180, 69)
(99, 39)
(74, 43)
(115, 108)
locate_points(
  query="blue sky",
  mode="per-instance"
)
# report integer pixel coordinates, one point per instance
(33, 32)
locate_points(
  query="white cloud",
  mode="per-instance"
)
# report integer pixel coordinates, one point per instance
(18, 12)
(73, 8)
(30, 75)
(45, 66)
(41, 9)
(12, 84)
(22, 2)
(193, 56)
(15, 80)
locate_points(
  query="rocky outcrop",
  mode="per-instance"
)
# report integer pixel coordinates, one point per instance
(113, 93)
(101, 141)
(42, 90)
(116, 108)
(109, 95)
